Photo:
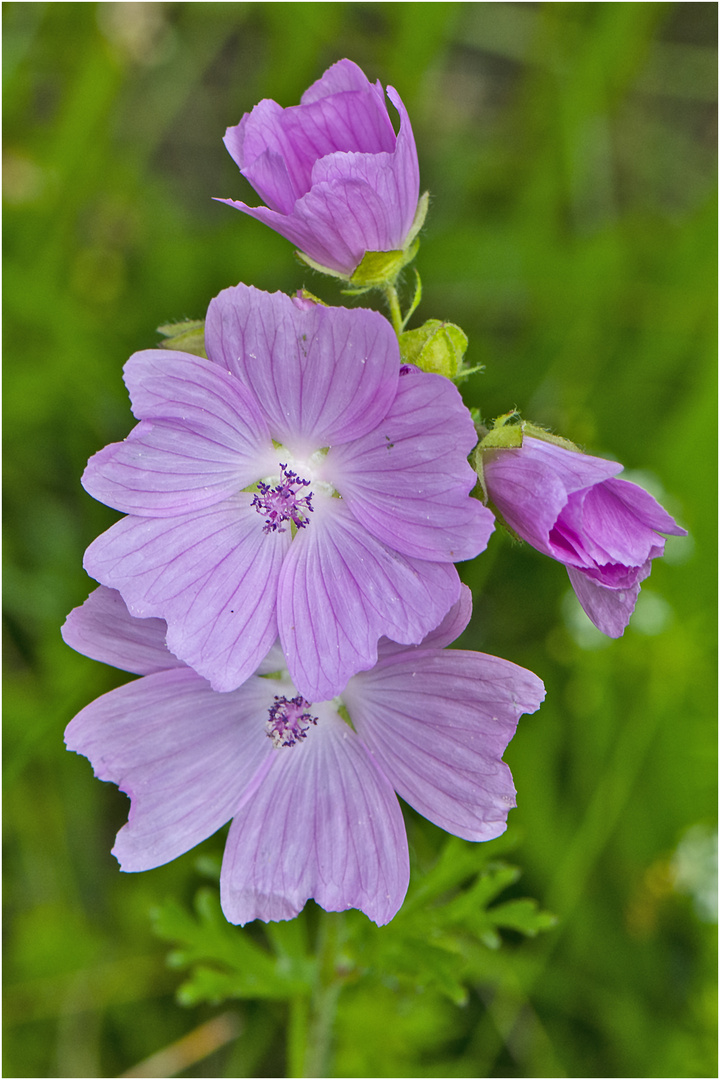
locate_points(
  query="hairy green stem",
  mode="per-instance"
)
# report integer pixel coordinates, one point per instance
(396, 318)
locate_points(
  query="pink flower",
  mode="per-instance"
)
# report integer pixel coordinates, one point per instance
(570, 506)
(336, 178)
(311, 798)
(297, 482)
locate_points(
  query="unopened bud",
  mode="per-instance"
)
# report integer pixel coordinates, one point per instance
(436, 346)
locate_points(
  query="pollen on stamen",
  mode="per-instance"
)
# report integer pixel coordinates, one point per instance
(289, 721)
(283, 502)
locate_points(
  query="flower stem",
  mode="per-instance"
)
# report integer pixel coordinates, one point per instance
(297, 1036)
(396, 318)
(319, 1017)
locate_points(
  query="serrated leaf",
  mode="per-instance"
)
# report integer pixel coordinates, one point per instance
(241, 967)
(523, 915)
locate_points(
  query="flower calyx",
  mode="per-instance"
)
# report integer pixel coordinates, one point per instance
(187, 336)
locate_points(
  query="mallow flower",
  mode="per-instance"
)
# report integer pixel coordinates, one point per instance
(309, 786)
(571, 507)
(336, 179)
(299, 481)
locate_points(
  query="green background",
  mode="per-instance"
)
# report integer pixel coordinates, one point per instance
(570, 154)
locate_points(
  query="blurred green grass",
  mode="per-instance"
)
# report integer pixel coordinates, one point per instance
(570, 153)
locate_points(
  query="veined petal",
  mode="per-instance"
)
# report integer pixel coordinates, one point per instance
(200, 440)
(340, 590)
(303, 235)
(340, 77)
(211, 575)
(350, 121)
(530, 485)
(409, 482)
(406, 169)
(614, 528)
(382, 223)
(449, 629)
(321, 375)
(645, 508)
(438, 724)
(259, 147)
(608, 608)
(181, 752)
(344, 218)
(103, 629)
(324, 824)
(269, 175)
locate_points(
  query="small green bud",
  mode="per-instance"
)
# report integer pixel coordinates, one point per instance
(436, 346)
(187, 336)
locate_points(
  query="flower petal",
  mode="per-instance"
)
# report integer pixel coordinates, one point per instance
(321, 375)
(259, 148)
(409, 481)
(201, 439)
(211, 575)
(449, 629)
(530, 485)
(344, 218)
(614, 516)
(103, 629)
(393, 176)
(181, 752)
(438, 723)
(645, 508)
(342, 76)
(609, 609)
(340, 590)
(406, 169)
(354, 120)
(324, 824)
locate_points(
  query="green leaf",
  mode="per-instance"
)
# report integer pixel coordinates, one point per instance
(229, 962)
(523, 915)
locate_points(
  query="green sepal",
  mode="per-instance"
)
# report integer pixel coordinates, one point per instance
(187, 336)
(506, 433)
(319, 267)
(419, 219)
(545, 436)
(380, 268)
(436, 346)
(305, 294)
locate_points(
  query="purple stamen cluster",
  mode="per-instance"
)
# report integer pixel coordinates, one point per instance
(282, 503)
(289, 721)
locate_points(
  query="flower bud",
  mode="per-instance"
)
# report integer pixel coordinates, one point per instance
(336, 178)
(436, 346)
(573, 508)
